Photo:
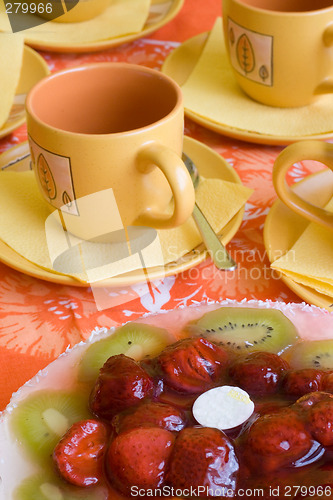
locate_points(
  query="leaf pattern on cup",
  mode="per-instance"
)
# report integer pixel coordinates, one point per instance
(245, 54)
(263, 72)
(46, 178)
(66, 199)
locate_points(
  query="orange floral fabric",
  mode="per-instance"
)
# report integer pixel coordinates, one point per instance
(39, 320)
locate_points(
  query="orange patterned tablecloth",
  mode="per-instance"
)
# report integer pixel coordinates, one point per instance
(38, 320)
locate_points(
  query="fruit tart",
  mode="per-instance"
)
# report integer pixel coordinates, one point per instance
(226, 399)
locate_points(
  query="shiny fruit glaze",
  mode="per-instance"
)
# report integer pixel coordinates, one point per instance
(286, 444)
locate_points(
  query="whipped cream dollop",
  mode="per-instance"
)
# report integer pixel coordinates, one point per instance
(223, 407)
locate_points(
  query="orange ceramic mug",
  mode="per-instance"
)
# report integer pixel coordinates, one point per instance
(299, 151)
(280, 50)
(111, 126)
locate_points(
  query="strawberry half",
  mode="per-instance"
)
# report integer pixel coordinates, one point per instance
(258, 373)
(304, 404)
(192, 365)
(300, 382)
(203, 458)
(275, 441)
(122, 383)
(79, 455)
(150, 414)
(321, 422)
(138, 458)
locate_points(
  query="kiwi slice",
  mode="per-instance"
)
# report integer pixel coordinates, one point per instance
(42, 419)
(136, 340)
(247, 329)
(311, 354)
(47, 486)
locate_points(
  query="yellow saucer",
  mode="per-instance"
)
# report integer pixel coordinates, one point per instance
(180, 64)
(34, 68)
(210, 165)
(160, 13)
(283, 227)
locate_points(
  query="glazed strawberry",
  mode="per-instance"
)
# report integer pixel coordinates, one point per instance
(122, 383)
(138, 457)
(276, 441)
(328, 382)
(79, 455)
(150, 414)
(300, 382)
(258, 373)
(306, 402)
(192, 365)
(321, 422)
(203, 458)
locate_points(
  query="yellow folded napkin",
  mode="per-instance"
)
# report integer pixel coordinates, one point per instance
(11, 53)
(23, 215)
(212, 92)
(310, 261)
(121, 18)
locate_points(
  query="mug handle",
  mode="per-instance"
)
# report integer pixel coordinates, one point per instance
(304, 150)
(156, 155)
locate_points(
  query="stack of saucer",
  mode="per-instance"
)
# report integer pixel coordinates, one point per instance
(310, 260)
(302, 251)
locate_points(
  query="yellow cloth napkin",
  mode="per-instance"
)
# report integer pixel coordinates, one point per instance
(11, 54)
(121, 18)
(310, 261)
(23, 215)
(212, 92)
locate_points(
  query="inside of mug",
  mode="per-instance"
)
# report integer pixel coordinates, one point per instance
(103, 99)
(289, 5)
